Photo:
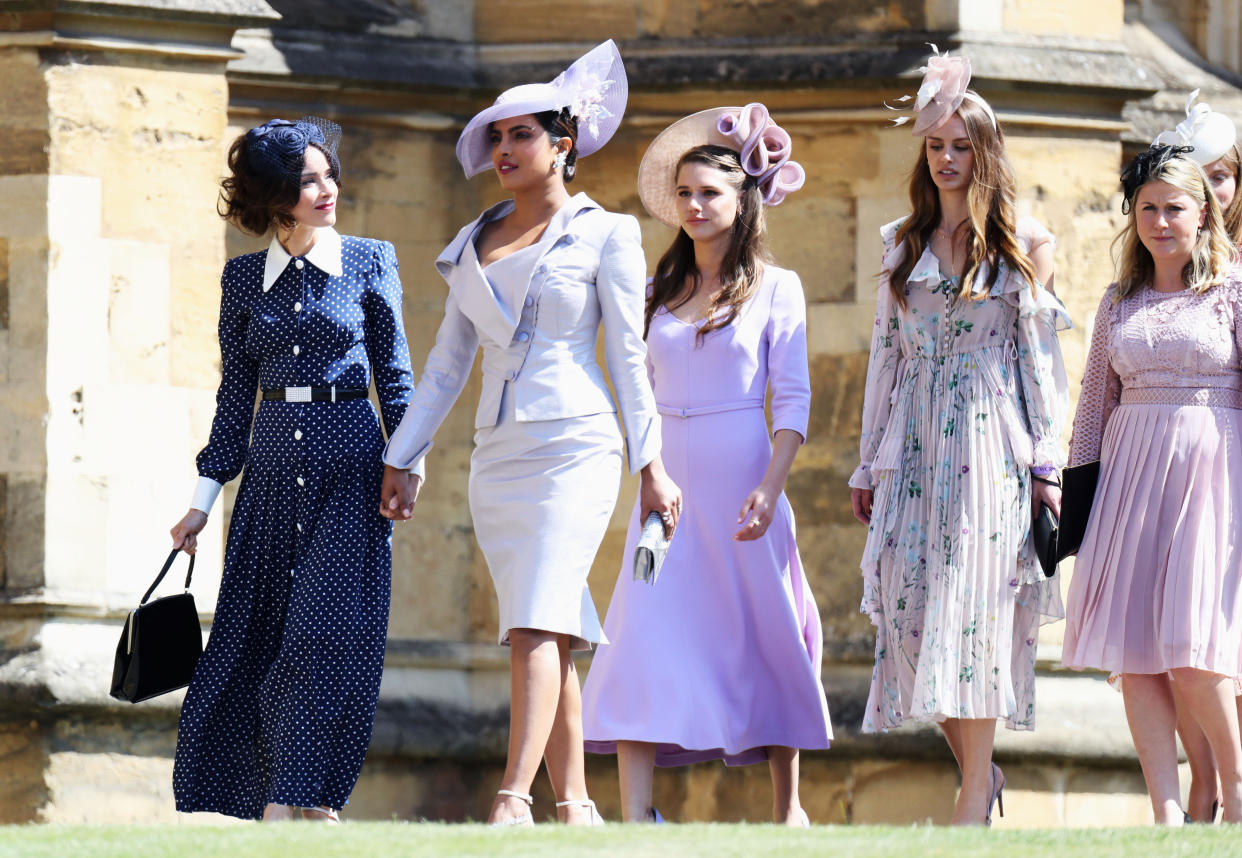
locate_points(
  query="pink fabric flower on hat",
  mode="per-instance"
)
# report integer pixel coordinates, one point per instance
(764, 149)
(941, 93)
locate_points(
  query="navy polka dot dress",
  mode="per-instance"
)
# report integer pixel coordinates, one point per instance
(283, 700)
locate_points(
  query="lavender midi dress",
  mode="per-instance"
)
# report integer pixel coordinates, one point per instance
(1158, 580)
(721, 657)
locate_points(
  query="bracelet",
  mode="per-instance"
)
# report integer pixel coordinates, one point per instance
(1056, 483)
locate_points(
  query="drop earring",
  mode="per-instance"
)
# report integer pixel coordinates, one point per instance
(559, 163)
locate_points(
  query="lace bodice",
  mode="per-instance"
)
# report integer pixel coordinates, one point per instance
(1178, 347)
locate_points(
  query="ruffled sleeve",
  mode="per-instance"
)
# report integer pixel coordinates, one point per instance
(1101, 388)
(1045, 387)
(788, 371)
(883, 365)
(1041, 368)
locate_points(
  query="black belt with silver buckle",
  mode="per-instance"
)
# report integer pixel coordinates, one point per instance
(314, 394)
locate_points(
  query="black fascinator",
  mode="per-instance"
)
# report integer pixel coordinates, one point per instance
(1145, 167)
(277, 148)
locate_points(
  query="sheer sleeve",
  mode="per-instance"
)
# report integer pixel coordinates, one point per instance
(1101, 388)
(1041, 369)
(883, 371)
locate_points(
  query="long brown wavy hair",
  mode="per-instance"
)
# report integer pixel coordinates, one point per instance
(1233, 214)
(990, 229)
(677, 276)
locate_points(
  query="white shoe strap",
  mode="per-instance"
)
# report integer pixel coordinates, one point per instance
(580, 802)
(523, 796)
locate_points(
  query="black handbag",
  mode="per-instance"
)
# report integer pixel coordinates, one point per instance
(160, 644)
(1057, 539)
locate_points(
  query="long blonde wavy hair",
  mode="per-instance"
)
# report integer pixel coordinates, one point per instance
(1213, 253)
(991, 228)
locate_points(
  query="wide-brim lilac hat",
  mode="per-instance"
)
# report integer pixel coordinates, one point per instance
(1208, 134)
(594, 88)
(763, 148)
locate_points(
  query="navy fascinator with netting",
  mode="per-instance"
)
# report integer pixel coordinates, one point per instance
(1145, 167)
(277, 148)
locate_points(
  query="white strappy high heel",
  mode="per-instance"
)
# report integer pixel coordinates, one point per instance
(526, 819)
(329, 815)
(596, 819)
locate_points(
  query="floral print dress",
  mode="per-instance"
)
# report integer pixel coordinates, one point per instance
(963, 397)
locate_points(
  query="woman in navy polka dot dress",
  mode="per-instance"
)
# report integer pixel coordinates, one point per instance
(279, 714)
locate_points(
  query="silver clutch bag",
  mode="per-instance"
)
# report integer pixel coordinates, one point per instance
(652, 545)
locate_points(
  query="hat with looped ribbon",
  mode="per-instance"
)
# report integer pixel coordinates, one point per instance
(944, 88)
(594, 88)
(763, 149)
(1208, 134)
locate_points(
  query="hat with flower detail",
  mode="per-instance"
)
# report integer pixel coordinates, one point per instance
(594, 88)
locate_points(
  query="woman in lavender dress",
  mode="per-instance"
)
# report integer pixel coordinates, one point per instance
(1157, 589)
(720, 659)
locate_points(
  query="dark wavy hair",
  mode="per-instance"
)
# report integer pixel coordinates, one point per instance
(742, 266)
(255, 199)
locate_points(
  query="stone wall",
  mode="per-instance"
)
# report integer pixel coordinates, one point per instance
(110, 251)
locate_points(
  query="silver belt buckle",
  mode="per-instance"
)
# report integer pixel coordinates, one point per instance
(297, 394)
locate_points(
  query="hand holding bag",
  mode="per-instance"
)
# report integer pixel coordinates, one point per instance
(652, 545)
(160, 644)
(1056, 539)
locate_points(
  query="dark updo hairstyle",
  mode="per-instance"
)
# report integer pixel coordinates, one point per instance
(560, 124)
(254, 197)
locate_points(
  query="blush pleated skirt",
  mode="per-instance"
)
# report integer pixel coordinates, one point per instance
(1157, 582)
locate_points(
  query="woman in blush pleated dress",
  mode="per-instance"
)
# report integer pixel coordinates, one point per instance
(530, 281)
(964, 403)
(720, 659)
(279, 713)
(1212, 140)
(1157, 589)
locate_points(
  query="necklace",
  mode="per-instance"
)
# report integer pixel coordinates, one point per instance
(948, 236)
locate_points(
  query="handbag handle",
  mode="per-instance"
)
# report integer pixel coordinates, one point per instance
(160, 577)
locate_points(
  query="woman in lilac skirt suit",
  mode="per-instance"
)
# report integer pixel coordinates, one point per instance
(1157, 589)
(720, 659)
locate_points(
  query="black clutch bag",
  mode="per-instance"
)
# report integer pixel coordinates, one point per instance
(1057, 539)
(1077, 496)
(160, 644)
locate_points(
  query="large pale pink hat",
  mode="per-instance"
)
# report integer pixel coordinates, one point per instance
(944, 88)
(594, 88)
(763, 148)
(1208, 134)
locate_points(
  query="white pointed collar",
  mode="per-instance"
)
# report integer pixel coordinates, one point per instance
(325, 254)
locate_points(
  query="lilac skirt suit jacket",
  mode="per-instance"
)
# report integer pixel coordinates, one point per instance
(546, 467)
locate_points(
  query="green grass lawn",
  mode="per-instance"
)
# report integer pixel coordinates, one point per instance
(380, 840)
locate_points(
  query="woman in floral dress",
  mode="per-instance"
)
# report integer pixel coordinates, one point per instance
(964, 403)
